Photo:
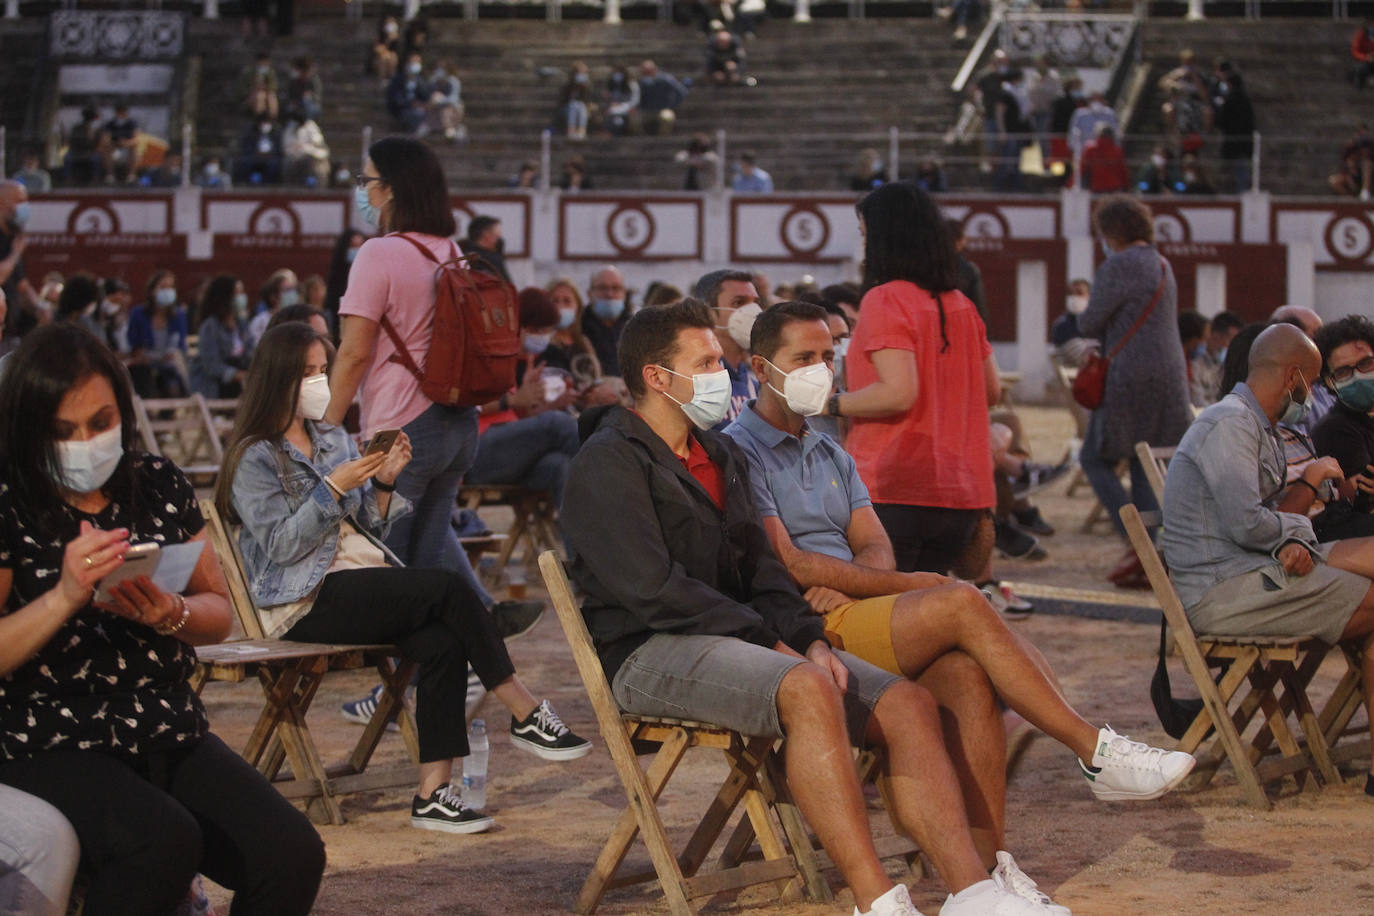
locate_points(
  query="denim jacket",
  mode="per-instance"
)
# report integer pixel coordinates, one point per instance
(291, 519)
(1224, 482)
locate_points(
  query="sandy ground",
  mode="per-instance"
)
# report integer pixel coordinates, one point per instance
(1195, 852)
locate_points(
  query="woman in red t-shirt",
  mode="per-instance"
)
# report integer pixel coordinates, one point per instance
(921, 376)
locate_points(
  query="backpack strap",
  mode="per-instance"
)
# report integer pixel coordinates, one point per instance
(402, 354)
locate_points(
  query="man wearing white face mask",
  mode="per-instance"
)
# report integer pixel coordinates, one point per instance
(928, 628)
(694, 617)
(734, 301)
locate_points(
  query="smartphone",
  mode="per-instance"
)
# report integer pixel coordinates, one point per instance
(139, 560)
(381, 441)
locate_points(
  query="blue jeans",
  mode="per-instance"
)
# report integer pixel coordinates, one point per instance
(444, 442)
(534, 453)
(1101, 474)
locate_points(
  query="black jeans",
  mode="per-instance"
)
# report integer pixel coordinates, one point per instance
(436, 619)
(928, 538)
(146, 828)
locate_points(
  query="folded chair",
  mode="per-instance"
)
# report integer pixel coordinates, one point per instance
(753, 782)
(535, 528)
(1268, 664)
(183, 430)
(290, 673)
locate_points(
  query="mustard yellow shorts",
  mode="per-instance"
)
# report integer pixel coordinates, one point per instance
(864, 628)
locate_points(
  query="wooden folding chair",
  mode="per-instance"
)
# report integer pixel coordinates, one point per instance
(222, 412)
(181, 429)
(290, 673)
(1267, 664)
(536, 521)
(1155, 460)
(754, 781)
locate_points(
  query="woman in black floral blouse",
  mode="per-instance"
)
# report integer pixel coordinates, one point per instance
(96, 714)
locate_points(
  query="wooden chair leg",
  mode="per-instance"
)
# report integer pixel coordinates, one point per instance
(642, 814)
(305, 759)
(395, 679)
(1307, 719)
(773, 780)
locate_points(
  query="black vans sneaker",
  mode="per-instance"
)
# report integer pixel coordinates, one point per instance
(444, 810)
(543, 734)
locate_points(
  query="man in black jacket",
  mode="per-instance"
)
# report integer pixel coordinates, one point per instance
(694, 617)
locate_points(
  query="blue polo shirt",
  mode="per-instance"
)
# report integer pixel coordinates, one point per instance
(809, 482)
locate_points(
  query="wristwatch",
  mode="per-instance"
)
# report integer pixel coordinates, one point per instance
(832, 406)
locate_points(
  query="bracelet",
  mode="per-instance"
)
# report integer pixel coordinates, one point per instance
(383, 487)
(329, 482)
(185, 616)
(1305, 482)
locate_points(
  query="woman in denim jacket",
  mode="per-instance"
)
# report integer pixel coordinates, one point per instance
(312, 514)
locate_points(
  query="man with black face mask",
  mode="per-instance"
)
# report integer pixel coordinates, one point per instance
(14, 215)
(484, 240)
(1240, 547)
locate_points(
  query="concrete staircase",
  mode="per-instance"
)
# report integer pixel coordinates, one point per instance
(825, 91)
(23, 44)
(1295, 71)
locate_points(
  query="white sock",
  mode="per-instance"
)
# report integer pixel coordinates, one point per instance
(974, 890)
(882, 904)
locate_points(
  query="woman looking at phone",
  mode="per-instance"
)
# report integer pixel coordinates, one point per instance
(96, 713)
(313, 514)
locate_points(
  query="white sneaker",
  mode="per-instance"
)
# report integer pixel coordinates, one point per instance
(988, 899)
(1127, 770)
(896, 902)
(1009, 877)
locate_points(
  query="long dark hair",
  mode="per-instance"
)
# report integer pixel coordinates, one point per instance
(268, 402)
(905, 238)
(217, 301)
(419, 191)
(51, 361)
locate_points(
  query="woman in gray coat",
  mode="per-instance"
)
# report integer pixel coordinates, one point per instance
(218, 368)
(1146, 395)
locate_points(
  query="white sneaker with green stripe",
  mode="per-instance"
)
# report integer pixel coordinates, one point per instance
(1126, 770)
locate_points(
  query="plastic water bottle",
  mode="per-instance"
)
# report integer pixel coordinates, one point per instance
(475, 767)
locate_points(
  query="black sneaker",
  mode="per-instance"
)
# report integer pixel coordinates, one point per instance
(444, 810)
(1016, 544)
(1034, 476)
(543, 734)
(516, 618)
(1030, 519)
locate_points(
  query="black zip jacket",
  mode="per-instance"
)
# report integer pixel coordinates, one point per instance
(653, 554)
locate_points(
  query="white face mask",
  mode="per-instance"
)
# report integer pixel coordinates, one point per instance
(1077, 305)
(741, 322)
(806, 389)
(85, 465)
(535, 344)
(314, 398)
(710, 397)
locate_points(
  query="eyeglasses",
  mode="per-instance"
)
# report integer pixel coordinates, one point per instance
(1346, 373)
(362, 180)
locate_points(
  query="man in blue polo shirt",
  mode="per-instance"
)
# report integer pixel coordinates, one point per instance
(818, 516)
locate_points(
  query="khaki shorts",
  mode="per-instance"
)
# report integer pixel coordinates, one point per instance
(864, 628)
(1270, 602)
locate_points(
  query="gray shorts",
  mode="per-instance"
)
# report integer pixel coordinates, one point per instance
(1270, 602)
(731, 683)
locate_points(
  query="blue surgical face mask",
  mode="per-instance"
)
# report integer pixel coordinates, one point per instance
(165, 297)
(289, 297)
(365, 208)
(351, 255)
(608, 309)
(1107, 249)
(20, 217)
(535, 344)
(710, 397)
(1357, 392)
(1295, 414)
(566, 317)
(241, 305)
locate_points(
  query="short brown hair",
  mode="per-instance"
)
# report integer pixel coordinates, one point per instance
(1123, 219)
(650, 338)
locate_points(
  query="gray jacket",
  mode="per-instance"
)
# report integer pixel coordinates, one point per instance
(1223, 483)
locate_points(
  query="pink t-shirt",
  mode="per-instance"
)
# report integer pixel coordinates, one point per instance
(391, 278)
(938, 453)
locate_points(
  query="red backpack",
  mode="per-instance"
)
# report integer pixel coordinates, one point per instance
(475, 341)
